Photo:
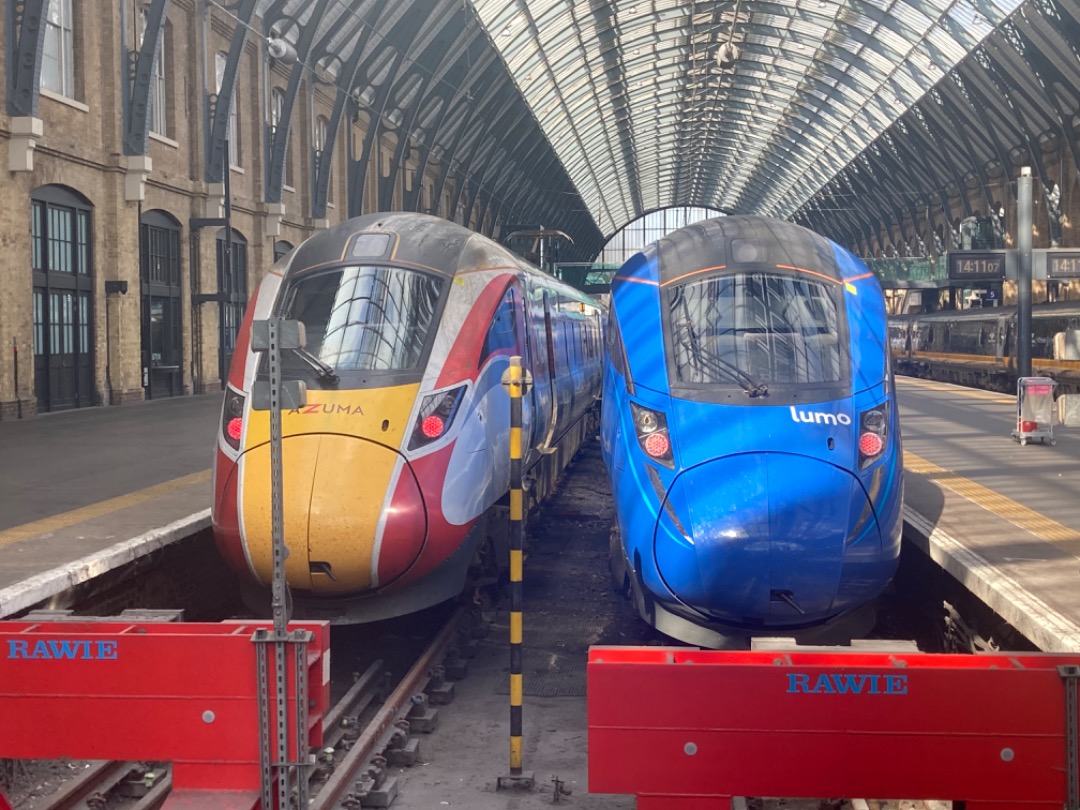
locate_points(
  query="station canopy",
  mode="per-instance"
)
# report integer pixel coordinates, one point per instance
(750, 106)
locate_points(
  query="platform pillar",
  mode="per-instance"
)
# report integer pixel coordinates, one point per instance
(1023, 273)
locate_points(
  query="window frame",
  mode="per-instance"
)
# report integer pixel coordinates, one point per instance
(64, 32)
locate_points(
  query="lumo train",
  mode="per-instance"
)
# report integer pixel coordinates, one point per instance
(750, 430)
(394, 469)
(977, 346)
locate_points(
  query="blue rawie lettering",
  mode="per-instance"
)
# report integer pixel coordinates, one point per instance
(61, 649)
(830, 684)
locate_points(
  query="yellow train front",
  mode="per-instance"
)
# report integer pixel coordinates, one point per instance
(391, 469)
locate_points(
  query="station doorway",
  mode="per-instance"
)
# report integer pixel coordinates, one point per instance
(159, 287)
(62, 264)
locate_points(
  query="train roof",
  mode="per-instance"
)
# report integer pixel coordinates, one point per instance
(410, 239)
(733, 240)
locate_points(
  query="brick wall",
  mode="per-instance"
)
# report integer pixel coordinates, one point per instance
(81, 149)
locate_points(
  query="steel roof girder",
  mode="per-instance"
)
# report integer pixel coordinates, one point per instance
(137, 77)
(1053, 91)
(345, 80)
(217, 113)
(24, 24)
(975, 160)
(993, 74)
(277, 138)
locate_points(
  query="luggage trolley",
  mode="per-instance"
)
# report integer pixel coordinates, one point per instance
(1034, 410)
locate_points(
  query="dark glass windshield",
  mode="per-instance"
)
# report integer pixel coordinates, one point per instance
(365, 318)
(753, 329)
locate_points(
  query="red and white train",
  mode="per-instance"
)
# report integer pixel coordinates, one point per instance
(393, 468)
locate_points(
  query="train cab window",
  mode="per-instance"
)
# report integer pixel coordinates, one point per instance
(757, 328)
(502, 334)
(363, 318)
(616, 351)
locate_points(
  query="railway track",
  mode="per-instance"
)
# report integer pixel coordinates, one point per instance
(368, 731)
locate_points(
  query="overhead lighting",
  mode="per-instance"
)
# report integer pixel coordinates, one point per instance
(727, 55)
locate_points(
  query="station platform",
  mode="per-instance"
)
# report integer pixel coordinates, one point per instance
(85, 492)
(1002, 519)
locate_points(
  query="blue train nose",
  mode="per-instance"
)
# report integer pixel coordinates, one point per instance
(766, 538)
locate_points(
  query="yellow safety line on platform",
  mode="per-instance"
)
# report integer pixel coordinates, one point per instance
(1006, 508)
(948, 388)
(95, 510)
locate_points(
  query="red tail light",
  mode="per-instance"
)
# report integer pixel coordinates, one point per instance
(652, 434)
(432, 426)
(232, 418)
(657, 445)
(873, 430)
(870, 444)
(436, 415)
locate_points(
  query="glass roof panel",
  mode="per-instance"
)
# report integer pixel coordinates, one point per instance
(630, 91)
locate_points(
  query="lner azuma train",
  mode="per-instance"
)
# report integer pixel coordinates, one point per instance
(977, 347)
(395, 467)
(750, 430)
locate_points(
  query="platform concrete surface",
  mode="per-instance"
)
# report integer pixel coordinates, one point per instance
(84, 492)
(59, 462)
(1001, 518)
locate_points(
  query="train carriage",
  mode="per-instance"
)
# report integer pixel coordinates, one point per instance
(393, 469)
(750, 431)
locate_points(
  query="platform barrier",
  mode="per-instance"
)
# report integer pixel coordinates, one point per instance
(686, 729)
(184, 693)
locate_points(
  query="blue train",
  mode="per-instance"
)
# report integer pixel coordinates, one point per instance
(750, 430)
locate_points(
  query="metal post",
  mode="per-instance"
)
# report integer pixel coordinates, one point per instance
(286, 762)
(515, 381)
(277, 520)
(1023, 273)
(1070, 675)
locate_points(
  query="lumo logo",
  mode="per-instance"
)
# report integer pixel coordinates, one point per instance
(819, 417)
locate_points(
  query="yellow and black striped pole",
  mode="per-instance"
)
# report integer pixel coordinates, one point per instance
(516, 381)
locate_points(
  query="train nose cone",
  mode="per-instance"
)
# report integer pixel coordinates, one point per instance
(769, 534)
(345, 533)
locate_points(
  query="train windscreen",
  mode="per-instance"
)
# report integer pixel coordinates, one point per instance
(363, 318)
(754, 330)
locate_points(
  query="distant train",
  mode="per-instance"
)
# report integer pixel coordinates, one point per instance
(977, 347)
(393, 468)
(749, 426)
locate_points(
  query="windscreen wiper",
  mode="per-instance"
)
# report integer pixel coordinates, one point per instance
(750, 385)
(323, 371)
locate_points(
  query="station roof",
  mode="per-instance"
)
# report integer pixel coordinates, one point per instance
(609, 110)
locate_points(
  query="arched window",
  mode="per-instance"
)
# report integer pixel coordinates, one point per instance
(232, 268)
(159, 295)
(159, 103)
(61, 259)
(58, 53)
(234, 130)
(647, 229)
(281, 249)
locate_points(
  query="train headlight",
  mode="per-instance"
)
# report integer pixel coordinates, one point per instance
(873, 431)
(652, 434)
(436, 414)
(232, 418)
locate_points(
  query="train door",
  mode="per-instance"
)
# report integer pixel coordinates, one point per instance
(549, 342)
(539, 396)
